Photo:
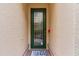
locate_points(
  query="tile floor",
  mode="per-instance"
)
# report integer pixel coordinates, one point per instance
(38, 52)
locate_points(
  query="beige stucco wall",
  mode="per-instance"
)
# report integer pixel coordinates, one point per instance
(76, 31)
(37, 5)
(13, 29)
(61, 36)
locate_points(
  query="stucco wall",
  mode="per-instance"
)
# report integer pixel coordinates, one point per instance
(61, 36)
(13, 29)
(76, 32)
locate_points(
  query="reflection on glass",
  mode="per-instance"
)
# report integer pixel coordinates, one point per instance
(38, 28)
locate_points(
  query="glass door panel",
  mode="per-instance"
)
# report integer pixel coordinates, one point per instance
(38, 28)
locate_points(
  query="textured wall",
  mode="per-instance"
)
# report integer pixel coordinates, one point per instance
(61, 36)
(76, 24)
(13, 29)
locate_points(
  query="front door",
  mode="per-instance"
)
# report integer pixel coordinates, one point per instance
(38, 27)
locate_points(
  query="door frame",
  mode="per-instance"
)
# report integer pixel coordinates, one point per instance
(32, 27)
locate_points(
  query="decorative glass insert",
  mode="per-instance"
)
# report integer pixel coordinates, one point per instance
(38, 28)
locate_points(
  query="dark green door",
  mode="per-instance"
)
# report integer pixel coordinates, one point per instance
(38, 27)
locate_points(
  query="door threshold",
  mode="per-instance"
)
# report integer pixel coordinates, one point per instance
(39, 48)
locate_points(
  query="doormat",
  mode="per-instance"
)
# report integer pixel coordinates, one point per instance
(39, 53)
